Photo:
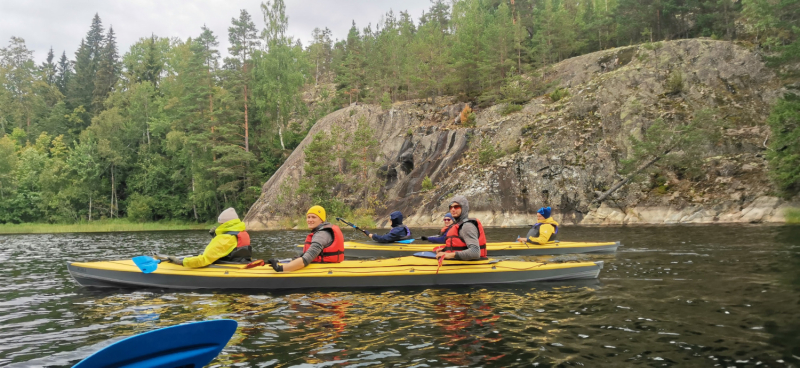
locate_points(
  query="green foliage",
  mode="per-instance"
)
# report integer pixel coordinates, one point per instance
(170, 120)
(510, 108)
(659, 183)
(677, 146)
(775, 26)
(140, 207)
(427, 184)
(386, 101)
(784, 152)
(487, 152)
(517, 90)
(340, 166)
(361, 153)
(792, 215)
(558, 94)
(363, 217)
(320, 174)
(471, 120)
(674, 83)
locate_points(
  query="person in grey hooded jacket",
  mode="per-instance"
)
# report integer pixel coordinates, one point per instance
(468, 232)
(398, 231)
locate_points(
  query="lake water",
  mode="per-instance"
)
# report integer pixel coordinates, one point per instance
(688, 296)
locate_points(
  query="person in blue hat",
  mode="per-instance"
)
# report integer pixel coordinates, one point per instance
(398, 231)
(545, 229)
(442, 237)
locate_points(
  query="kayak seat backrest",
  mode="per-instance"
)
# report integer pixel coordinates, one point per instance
(242, 238)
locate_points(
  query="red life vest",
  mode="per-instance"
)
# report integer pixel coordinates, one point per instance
(242, 238)
(455, 243)
(333, 253)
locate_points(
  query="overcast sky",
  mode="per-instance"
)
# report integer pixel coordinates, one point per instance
(63, 23)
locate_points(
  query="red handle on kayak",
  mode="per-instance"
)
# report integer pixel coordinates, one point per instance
(256, 263)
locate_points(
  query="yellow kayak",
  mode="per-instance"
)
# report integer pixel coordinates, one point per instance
(392, 272)
(376, 250)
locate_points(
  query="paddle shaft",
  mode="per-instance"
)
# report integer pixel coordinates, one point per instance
(353, 225)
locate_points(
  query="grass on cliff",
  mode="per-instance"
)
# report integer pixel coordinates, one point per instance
(100, 226)
(362, 219)
(792, 215)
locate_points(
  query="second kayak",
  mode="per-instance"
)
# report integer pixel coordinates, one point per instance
(379, 250)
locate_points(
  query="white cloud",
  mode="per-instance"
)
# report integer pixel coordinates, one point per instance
(62, 24)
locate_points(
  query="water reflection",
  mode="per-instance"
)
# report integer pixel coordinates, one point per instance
(786, 334)
(680, 296)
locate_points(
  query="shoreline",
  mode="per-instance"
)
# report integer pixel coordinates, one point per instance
(100, 226)
(107, 226)
(638, 224)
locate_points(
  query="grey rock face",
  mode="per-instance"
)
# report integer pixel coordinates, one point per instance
(562, 154)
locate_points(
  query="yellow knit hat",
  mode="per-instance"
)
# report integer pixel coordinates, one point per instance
(317, 210)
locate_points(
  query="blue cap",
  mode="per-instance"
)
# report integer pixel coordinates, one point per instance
(545, 211)
(448, 215)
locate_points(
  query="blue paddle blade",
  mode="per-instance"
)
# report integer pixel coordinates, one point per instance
(188, 345)
(425, 255)
(146, 264)
(406, 241)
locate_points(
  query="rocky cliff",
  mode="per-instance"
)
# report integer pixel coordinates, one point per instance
(564, 153)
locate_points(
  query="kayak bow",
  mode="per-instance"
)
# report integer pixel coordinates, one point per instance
(187, 345)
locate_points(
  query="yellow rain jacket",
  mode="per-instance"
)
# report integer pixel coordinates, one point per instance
(222, 245)
(546, 230)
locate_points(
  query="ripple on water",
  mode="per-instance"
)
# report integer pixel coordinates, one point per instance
(657, 302)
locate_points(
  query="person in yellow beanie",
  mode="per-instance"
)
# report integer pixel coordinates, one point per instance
(325, 244)
(231, 244)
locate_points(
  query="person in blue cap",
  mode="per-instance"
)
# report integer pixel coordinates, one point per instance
(442, 237)
(398, 231)
(545, 229)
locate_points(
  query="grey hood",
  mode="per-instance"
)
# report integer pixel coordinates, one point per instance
(464, 207)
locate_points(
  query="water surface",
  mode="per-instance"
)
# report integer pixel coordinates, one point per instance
(689, 296)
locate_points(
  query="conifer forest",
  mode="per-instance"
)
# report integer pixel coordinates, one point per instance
(171, 129)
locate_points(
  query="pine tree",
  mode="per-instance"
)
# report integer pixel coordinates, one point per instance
(64, 73)
(242, 36)
(403, 70)
(95, 40)
(87, 60)
(206, 47)
(209, 43)
(350, 71)
(430, 50)
(496, 57)
(320, 53)
(150, 70)
(17, 61)
(81, 84)
(48, 69)
(468, 22)
(279, 72)
(107, 71)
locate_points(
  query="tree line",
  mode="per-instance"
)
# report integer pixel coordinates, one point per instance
(172, 130)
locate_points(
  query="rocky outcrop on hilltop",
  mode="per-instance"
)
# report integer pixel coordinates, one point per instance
(564, 153)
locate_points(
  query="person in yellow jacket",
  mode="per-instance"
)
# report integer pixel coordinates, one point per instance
(545, 229)
(231, 243)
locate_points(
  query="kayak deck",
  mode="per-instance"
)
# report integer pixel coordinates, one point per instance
(393, 272)
(372, 249)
